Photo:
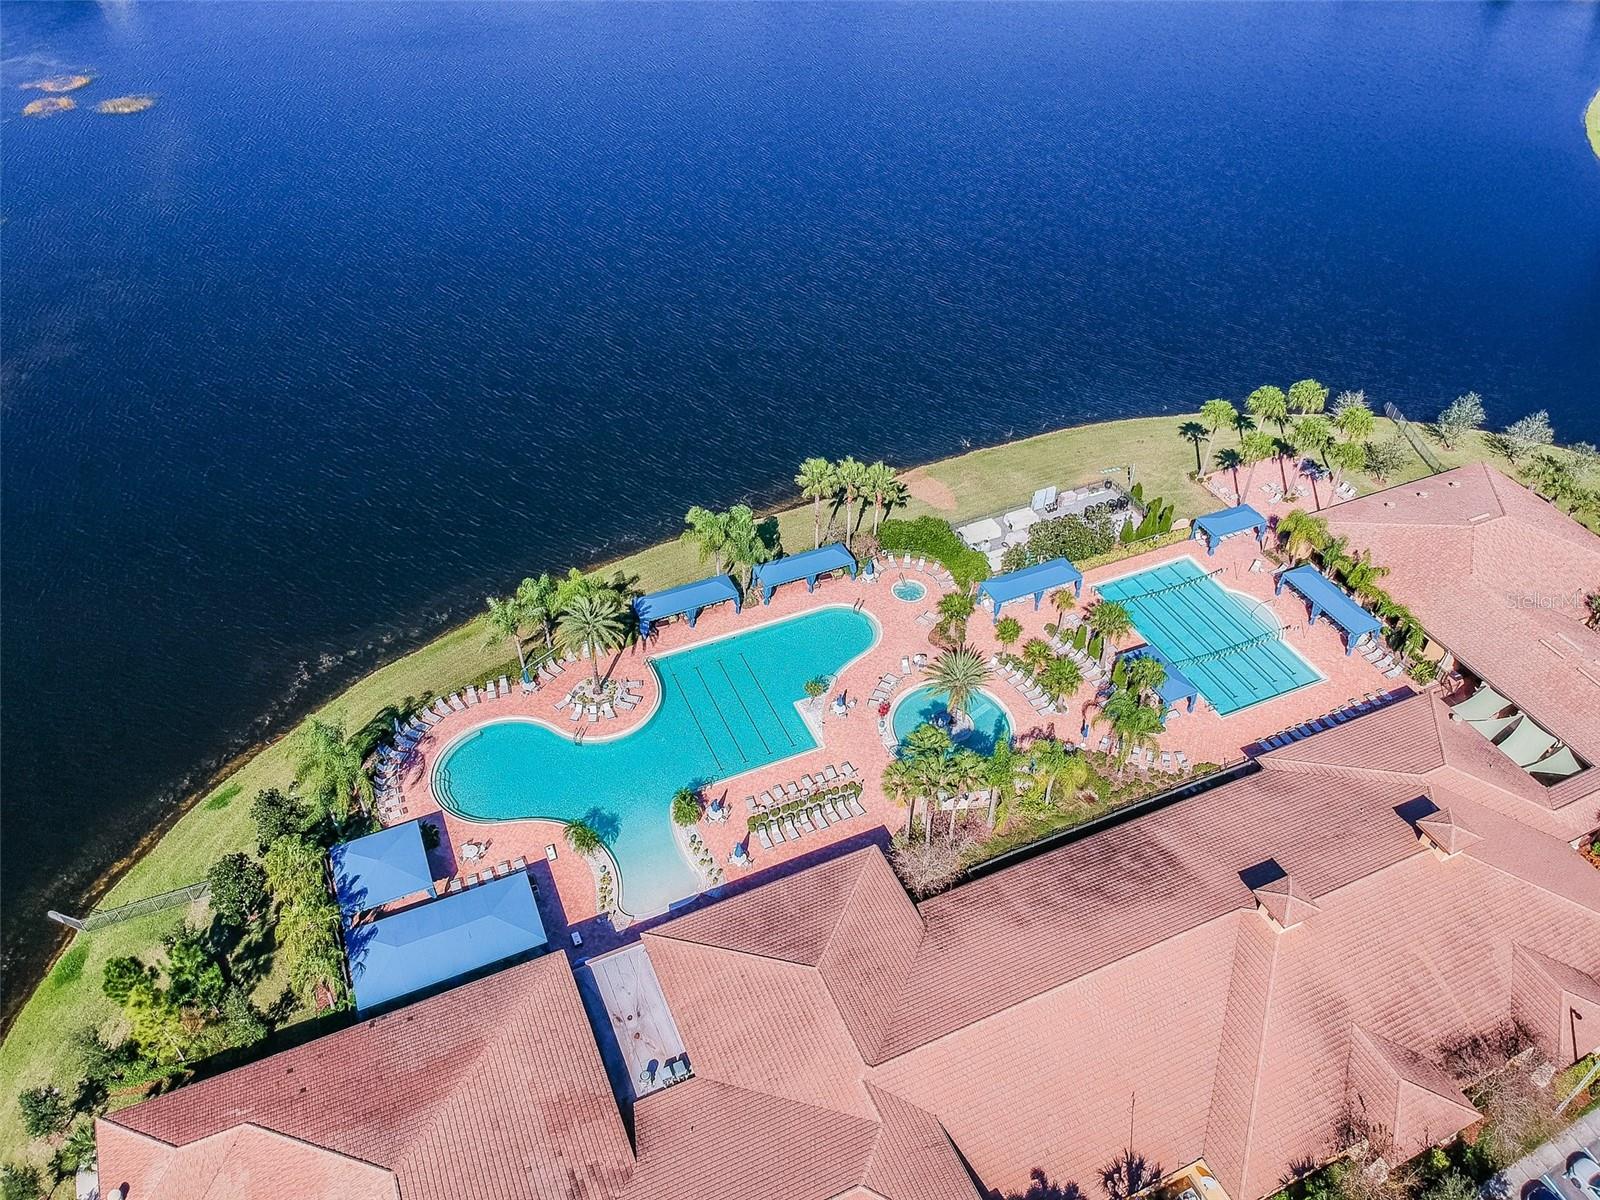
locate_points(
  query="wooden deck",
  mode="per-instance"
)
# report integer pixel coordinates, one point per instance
(646, 1036)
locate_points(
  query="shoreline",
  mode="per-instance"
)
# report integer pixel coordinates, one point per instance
(198, 831)
(1591, 122)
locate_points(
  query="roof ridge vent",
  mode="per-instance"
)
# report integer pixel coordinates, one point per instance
(1446, 833)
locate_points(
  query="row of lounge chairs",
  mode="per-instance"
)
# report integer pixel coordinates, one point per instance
(628, 698)
(1088, 665)
(1023, 682)
(878, 567)
(1352, 708)
(462, 882)
(886, 685)
(829, 777)
(833, 807)
(1172, 761)
(1376, 653)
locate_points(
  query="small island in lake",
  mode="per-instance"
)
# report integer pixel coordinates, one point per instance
(123, 105)
(49, 106)
(58, 83)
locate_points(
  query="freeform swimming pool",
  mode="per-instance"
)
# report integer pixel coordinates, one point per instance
(990, 724)
(1230, 646)
(727, 706)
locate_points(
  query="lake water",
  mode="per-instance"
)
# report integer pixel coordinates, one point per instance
(382, 307)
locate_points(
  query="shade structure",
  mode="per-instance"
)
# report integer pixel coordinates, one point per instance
(1332, 601)
(1527, 743)
(1225, 521)
(1032, 581)
(442, 940)
(809, 565)
(1558, 765)
(1493, 727)
(1485, 702)
(1176, 688)
(687, 599)
(388, 865)
(981, 535)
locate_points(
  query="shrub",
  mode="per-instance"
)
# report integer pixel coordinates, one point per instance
(18, 1181)
(1384, 459)
(1014, 558)
(45, 1111)
(1096, 646)
(1164, 524)
(1423, 671)
(1073, 537)
(122, 975)
(935, 539)
(1464, 414)
(276, 815)
(1128, 533)
(238, 888)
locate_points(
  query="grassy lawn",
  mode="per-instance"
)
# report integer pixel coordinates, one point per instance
(981, 482)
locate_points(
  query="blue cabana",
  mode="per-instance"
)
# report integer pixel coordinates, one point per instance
(1177, 688)
(685, 599)
(1220, 524)
(809, 565)
(1328, 598)
(388, 865)
(442, 940)
(1032, 581)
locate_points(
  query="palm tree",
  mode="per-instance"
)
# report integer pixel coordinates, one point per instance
(1063, 599)
(1133, 723)
(901, 785)
(954, 610)
(591, 625)
(1268, 404)
(1342, 457)
(926, 741)
(330, 767)
(505, 621)
(1143, 675)
(1550, 477)
(582, 838)
(1000, 771)
(1311, 434)
(932, 775)
(1256, 448)
(964, 774)
(1352, 417)
(1306, 396)
(1218, 414)
(1036, 655)
(853, 479)
(956, 674)
(1110, 620)
(1060, 678)
(1053, 765)
(885, 489)
(1231, 460)
(536, 600)
(1362, 576)
(1300, 533)
(707, 532)
(743, 542)
(818, 481)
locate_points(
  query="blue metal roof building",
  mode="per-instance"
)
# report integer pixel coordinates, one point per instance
(372, 870)
(809, 565)
(1225, 521)
(685, 599)
(442, 940)
(1329, 599)
(1035, 581)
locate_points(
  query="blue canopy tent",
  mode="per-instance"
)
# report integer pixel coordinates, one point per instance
(442, 940)
(809, 565)
(1329, 599)
(1032, 581)
(685, 599)
(388, 865)
(1176, 688)
(1223, 522)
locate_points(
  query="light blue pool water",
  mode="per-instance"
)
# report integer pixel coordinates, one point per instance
(727, 706)
(1227, 644)
(910, 590)
(989, 721)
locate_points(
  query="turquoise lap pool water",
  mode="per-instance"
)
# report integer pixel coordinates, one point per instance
(1230, 646)
(727, 706)
(990, 725)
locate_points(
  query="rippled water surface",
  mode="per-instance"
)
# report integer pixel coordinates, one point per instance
(379, 308)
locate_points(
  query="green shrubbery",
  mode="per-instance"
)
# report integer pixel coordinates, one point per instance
(933, 538)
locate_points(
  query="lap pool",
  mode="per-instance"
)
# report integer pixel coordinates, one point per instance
(1229, 645)
(727, 706)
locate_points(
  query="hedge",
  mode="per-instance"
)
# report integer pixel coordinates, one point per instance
(932, 538)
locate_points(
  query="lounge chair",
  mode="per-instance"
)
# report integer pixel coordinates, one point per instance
(1105, 743)
(789, 829)
(577, 714)
(607, 711)
(519, 864)
(847, 770)
(503, 869)
(1183, 762)
(905, 665)
(442, 707)
(505, 685)
(819, 818)
(592, 711)
(776, 830)
(469, 881)
(563, 702)
(1166, 760)
(804, 822)
(471, 695)
(830, 812)
(453, 887)
(855, 806)
(761, 835)
(792, 790)
(807, 783)
(829, 773)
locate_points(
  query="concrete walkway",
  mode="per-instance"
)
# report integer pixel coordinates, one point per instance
(1518, 1180)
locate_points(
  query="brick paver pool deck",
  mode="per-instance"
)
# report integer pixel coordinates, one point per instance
(565, 883)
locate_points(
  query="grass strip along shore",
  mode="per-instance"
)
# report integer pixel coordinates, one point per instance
(1163, 451)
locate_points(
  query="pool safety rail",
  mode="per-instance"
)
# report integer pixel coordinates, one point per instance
(1170, 587)
(1225, 651)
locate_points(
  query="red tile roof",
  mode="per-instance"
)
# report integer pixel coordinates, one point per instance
(494, 1089)
(1498, 576)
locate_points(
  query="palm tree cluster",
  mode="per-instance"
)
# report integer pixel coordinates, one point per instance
(1303, 428)
(587, 615)
(932, 771)
(1305, 538)
(734, 538)
(839, 485)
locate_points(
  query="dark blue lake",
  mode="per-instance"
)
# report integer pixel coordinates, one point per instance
(380, 308)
